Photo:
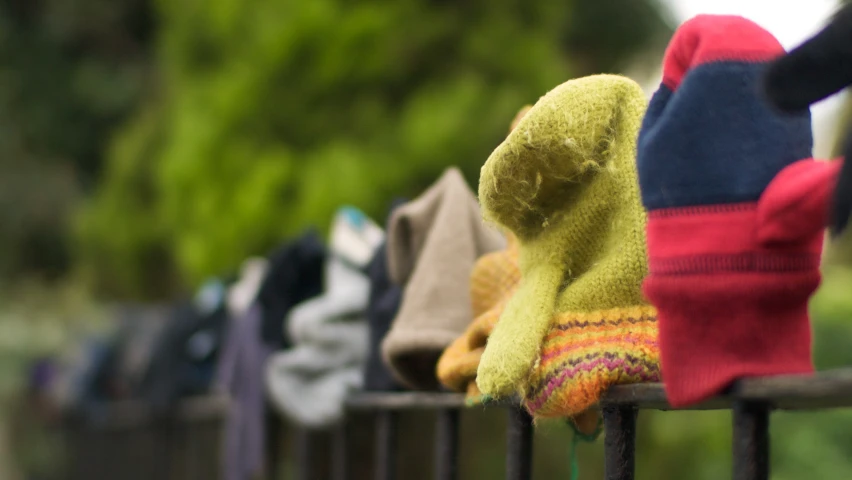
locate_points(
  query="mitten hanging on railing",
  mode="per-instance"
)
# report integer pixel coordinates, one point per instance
(737, 210)
(493, 281)
(564, 182)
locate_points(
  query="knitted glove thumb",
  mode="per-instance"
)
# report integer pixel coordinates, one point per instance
(516, 340)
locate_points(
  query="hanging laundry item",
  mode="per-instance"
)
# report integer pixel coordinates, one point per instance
(243, 293)
(493, 281)
(185, 354)
(737, 209)
(84, 384)
(382, 306)
(564, 182)
(239, 374)
(433, 243)
(309, 383)
(295, 274)
(109, 366)
(266, 288)
(139, 329)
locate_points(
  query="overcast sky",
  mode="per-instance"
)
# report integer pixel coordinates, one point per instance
(791, 21)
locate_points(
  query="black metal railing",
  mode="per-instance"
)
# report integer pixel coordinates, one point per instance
(131, 443)
(751, 402)
(126, 441)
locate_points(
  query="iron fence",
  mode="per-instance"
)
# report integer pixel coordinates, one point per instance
(751, 402)
(130, 443)
(127, 441)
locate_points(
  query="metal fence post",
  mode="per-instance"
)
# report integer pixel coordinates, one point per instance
(340, 452)
(447, 445)
(751, 440)
(519, 448)
(620, 442)
(385, 445)
(305, 455)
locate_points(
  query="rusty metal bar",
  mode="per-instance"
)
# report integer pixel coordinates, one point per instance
(620, 442)
(519, 445)
(447, 445)
(751, 440)
(385, 445)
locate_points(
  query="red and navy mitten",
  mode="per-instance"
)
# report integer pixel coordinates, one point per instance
(736, 209)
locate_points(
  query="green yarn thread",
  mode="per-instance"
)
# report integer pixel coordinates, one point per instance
(581, 437)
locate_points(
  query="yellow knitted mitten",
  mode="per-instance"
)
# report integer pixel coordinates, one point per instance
(493, 280)
(564, 182)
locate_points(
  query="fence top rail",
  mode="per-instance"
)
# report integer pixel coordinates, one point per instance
(828, 389)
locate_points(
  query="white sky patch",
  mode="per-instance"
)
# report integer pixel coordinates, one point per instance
(791, 21)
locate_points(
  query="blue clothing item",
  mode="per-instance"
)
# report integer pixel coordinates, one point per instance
(714, 140)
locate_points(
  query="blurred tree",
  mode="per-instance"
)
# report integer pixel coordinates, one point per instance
(69, 69)
(272, 113)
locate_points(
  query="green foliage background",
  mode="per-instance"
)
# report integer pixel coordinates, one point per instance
(148, 144)
(270, 114)
(69, 69)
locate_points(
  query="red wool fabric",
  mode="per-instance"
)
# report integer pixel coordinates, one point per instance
(705, 39)
(749, 269)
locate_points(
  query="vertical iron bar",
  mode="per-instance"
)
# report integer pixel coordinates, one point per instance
(385, 445)
(273, 443)
(340, 453)
(165, 447)
(519, 448)
(751, 440)
(447, 445)
(304, 455)
(620, 442)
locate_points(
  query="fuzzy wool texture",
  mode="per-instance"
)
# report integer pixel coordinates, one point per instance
(564, 182)
(736, 209)
(493, 281)
(586, 353)
(433, 242)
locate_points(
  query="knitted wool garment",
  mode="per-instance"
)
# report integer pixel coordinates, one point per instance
(564, 182)
(735, 214)
(383, 305)
(309, 382)
(493, 281)
(433, 242)
(294, 274)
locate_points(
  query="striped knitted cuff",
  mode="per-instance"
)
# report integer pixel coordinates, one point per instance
(585, 353)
